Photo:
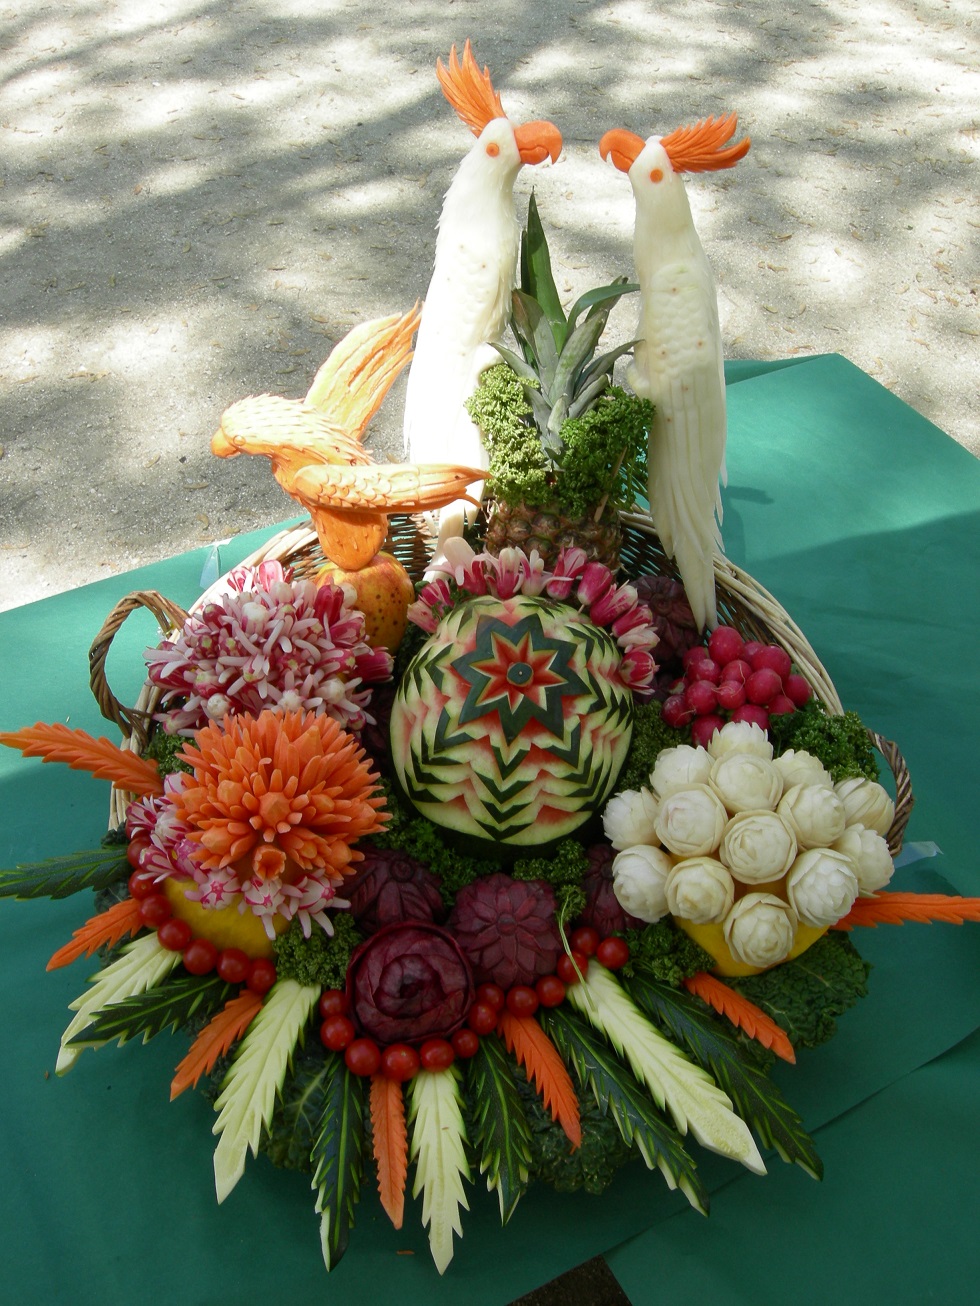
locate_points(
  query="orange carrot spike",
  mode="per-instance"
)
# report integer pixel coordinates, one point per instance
(390, 1145)
(214, 1040)
(534, 1050)
(745, 1015)
(701, 147)
(108, 927)
(924, 908)
(469, 92)
(82, 752)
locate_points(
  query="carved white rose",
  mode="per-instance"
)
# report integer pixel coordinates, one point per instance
(821, 886)
(700, 889)
(639, 876)
(757, 847)
(760, 929)
(691, 821)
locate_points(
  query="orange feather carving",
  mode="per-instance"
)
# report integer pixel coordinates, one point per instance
(214, 1040)
(469, 92)
(534, 1050)
(745, 1015)
(108, 927)
(82, 752)
(390, 1145)
(924, 908)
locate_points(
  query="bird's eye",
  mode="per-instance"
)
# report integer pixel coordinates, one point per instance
(657, 174)
(493, 149)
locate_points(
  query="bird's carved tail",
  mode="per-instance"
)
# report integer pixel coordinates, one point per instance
(351, 385)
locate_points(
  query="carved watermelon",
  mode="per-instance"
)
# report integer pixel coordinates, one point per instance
(511, 723)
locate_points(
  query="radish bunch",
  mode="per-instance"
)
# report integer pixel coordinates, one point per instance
(731, 679)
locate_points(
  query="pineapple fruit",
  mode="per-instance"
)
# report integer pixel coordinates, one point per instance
(567, 448)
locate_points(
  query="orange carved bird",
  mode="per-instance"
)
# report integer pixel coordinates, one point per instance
(314, 445)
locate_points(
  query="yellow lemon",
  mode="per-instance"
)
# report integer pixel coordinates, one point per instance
(226, 927)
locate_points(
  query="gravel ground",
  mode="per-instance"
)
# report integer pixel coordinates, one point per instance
(199, 200)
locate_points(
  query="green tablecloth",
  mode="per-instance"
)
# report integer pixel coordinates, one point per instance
(862, 518)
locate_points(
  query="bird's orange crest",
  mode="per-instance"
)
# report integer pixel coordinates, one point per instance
(469, 91)
(702, 146)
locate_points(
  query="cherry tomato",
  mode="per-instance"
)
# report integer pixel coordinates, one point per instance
(566, 969)
(482, 1018)
(363, 1056)
(522, 1000)
(337, 1032)
(613, 953)
(175, 934)
(200, 957)
(261, 976)
(143, 883)
(155, 909)
(333, 1002)
(233, 965)
(436, 1054)
(465, 1043)
(585, 939)
(550, 990)
(492, 994)
(400, 1062)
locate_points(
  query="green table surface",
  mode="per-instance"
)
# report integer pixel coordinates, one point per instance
(862, 518)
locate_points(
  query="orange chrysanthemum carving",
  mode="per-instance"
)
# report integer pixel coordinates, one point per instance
(289, 791)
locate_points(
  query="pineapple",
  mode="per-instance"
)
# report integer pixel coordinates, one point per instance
(566, 447)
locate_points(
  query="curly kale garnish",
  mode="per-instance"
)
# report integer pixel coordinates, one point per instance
(665, 953)
(592, 1165)
(806, 995)
(841, 743)
(319, 959)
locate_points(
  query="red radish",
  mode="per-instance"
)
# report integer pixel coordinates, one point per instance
(739, 671)
(752, 713)
(730, 695)
(702, 696)
(725, 644)
(676, 712)
(763, 685)
(780, 705)
(693, 655)
(704, 669)
(750, 648)
(797, 689)
(773, 657)
(705, 726)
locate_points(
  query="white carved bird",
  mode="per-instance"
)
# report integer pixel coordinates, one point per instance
(678, 363)
(468, 302)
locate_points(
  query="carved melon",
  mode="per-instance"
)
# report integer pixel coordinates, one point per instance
(511, 723)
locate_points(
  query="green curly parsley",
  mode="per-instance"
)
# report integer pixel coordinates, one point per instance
(650, 735)
(665, 953)
(841, 743)
(319, 959)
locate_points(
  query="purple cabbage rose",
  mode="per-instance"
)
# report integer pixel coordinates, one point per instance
(408, 983)
(389, 887)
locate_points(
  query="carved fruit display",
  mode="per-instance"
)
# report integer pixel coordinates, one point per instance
(512, 722)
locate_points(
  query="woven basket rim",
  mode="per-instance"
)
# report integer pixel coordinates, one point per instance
(741, 599)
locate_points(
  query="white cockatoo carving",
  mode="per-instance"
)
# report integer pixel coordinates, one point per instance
(468, 302)
(678, 363)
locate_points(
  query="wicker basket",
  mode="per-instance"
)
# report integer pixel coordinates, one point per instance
(742, 603)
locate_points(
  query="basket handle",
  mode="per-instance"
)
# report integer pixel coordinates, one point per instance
(903, 790)
(132, 721)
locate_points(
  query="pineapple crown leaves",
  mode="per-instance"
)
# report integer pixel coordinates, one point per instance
(557, 365)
